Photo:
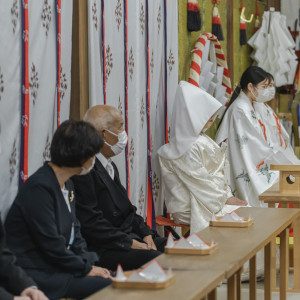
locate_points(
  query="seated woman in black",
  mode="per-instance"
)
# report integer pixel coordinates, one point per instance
(42, 229)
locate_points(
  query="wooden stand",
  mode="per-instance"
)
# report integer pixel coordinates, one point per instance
(248, 222)
(286, 186)
(143, 285)
(192, 251)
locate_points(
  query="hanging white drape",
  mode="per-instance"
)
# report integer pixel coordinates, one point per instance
(10, 104)
(42, 33)
(118, 76)
(274, 48)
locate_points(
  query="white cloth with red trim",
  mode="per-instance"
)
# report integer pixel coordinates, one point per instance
(193, 167)
(253, 144)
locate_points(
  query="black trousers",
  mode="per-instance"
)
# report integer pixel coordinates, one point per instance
(80, 288)
(131, 259)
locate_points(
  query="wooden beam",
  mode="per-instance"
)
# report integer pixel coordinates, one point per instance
(79, 73)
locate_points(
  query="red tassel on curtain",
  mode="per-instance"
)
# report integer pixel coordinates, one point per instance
(193, 16)
(216, 22)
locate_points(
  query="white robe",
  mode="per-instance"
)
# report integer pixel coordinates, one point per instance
(251, 150)
(277, 135)
(197, 183)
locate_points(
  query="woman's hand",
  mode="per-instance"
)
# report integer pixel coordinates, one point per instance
(139, 245)
(99, 272)
(32, 294)
(236, 201)
(149, 241)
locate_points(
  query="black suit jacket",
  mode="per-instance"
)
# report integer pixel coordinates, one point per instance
(38, 228)
(108, 219)
(13, 279)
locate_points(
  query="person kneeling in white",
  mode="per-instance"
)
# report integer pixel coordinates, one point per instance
(194, 168)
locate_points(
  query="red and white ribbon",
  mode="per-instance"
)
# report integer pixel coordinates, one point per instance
(195, 68)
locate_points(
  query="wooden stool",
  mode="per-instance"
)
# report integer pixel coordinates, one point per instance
(168, 224)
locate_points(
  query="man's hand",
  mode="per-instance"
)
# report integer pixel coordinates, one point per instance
(138, 245)
(99, 272)
(32, 294)
(149, 241)
(236, 201)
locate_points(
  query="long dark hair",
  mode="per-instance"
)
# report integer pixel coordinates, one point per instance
(252, 74)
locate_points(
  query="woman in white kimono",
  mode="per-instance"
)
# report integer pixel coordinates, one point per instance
(276, 134)
(193, 166)
(252, 143)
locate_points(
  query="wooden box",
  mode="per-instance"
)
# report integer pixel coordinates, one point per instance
(289, 178)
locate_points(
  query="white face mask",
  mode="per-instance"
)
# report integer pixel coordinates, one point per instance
(121, 144)
(85, 171)
(265, 95)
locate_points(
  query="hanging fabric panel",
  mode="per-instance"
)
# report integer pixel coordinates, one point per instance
(136, 46)
(66, 50)
(42, 81)
(96, 95)
(114, 67)
(136, 78)
(157, 97)
(10, 101)
(35, 61)
(171, 74)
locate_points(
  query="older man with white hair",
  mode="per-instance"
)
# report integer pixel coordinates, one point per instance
(109, 221)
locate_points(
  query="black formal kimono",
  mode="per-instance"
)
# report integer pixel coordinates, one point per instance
(109, 221)
(13, 280)
(38, 227)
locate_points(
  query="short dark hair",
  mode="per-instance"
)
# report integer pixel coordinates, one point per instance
(73, 143)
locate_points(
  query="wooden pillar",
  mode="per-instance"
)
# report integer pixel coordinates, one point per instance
(79, 73)
(230, 48)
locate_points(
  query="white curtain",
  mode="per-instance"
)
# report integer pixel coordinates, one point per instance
(10, 101)
(137, 119)
(120, 79)
(42, 72)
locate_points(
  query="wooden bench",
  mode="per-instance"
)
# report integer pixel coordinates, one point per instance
(238, 245)
(271, 197)
(188, 285)
(198, 276)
